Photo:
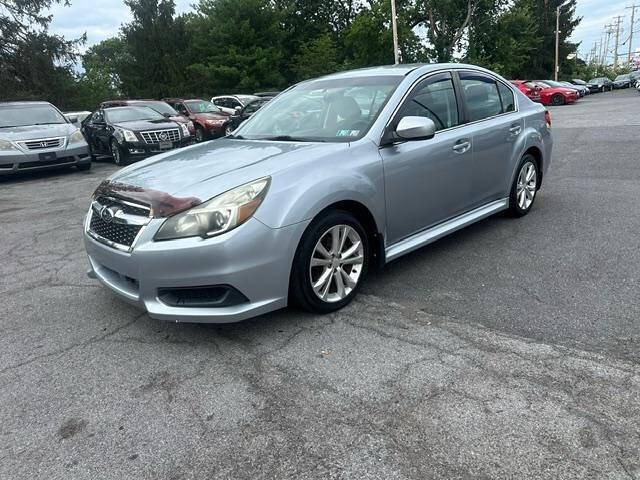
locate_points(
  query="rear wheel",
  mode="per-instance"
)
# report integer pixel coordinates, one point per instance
(330, 263)
(525, 187)
(557, 99)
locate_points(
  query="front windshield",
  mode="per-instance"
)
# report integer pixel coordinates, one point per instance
(543, 84)
(595, 80)
(579, 82)
(22, 115)
(131, 114)
(331, 110)
(554, 84)
(201, 106)
(160, 107)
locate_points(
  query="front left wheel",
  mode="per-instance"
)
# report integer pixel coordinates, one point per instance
(330, 263)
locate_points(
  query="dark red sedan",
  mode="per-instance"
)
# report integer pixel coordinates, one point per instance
(208, 119)
(530, 89)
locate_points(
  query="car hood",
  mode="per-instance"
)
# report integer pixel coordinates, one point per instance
(176, 180)
(210, 116)
(141, 125)
(29, 132)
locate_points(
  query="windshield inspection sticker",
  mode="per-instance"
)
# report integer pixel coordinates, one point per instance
(348, 133)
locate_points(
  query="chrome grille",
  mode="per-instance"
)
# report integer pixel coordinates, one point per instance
(42, 143)
(126, 207)
(117, 222)
(157, 136)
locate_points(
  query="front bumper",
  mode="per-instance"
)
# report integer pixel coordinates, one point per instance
(140, 149)
(253, 259)
(15, 161)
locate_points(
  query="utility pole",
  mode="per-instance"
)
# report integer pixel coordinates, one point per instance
(605, 53)
(599, 61)
(394, 27)
(633, 17)
(615, 54)
(555, 74)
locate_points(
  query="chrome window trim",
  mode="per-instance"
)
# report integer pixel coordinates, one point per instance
(435, 72)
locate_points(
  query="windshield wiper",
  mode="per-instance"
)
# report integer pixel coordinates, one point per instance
(288, 138)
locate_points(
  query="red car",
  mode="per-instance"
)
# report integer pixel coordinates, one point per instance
(530, 89)
(163, 108)
(556, 95)
(209, 120)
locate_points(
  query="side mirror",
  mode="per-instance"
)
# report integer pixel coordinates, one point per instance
(416, 128)
(237, 109)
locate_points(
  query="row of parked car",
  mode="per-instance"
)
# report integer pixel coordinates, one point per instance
(36, 135)
(550, 92)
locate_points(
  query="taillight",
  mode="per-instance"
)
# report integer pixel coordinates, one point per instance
(547, 118)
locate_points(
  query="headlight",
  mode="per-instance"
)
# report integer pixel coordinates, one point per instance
(185, 130)
(190, 126)
(6, 146)
(76, 137)
(216, 123)
(220, 214)
(128, 135)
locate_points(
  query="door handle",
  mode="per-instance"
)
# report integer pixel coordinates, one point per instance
(462, 146)
(515, 129)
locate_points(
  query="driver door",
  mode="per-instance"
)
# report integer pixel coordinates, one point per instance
(428, 181)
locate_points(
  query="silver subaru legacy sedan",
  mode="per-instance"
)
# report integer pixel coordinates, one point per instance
(331, 178)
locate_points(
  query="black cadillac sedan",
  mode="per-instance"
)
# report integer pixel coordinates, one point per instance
(132, 133)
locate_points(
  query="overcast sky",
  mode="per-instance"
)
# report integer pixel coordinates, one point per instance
(101, 19)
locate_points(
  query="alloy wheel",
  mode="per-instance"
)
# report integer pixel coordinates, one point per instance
(527, 184)
(228, 130)
(336, 263)
(199, 135)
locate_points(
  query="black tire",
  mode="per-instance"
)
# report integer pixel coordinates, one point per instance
(119, 157)
(228, 129)
(515, 209)
(83, 167)
(301, 291)
(200, 134)
(557, 99)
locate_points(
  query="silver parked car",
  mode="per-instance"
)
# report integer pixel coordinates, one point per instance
(36, 135)
(331, 178)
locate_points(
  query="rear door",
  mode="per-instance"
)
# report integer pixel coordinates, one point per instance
(427, 181)
(494, 126)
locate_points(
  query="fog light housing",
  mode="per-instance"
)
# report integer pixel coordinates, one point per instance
(212, 296)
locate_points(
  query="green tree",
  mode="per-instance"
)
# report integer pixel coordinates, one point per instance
(35, 64)
(236, 46)
(317, 57)
(504, 39)
(156, 40)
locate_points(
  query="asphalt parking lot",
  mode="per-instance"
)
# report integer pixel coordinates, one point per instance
(507, 350)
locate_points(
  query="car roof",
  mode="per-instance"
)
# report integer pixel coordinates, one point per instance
(23, 103)
(400, 70)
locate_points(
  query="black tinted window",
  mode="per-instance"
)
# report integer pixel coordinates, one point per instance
(434, 98)
(506, 95)
(481, 96)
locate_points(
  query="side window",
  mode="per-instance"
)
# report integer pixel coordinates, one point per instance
(506, 95)
(434, 98)
(219, 102)
(97, 117)
(481, 96)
